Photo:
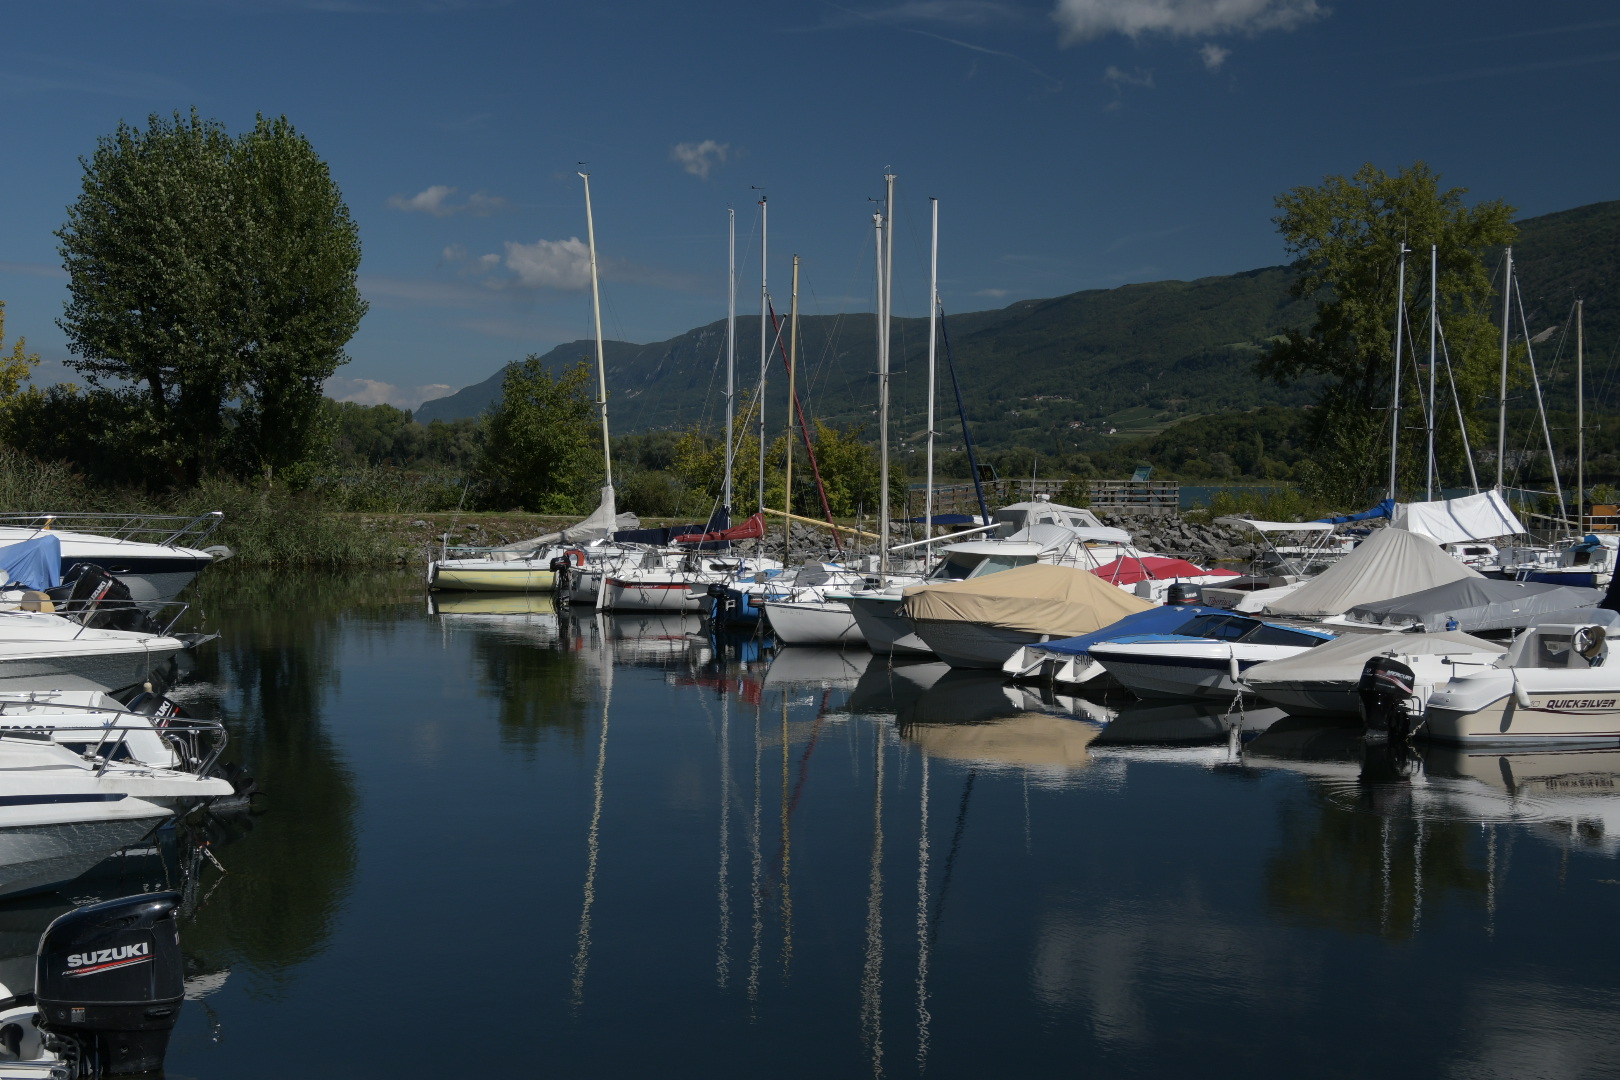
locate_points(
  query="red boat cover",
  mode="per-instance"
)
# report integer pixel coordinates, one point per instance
(1128, 570)
(752, 529)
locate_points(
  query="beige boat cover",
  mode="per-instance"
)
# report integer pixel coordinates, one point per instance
(1341, 660)
(1389, 563)
(1037, 599)
(1031, 740)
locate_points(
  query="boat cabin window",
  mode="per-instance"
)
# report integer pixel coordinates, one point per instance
(1281, 635)
(994, 564)
(1219, 627)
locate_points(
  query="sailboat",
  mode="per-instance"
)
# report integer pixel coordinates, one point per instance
(531, 565)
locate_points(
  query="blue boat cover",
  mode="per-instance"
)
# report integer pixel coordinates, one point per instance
(34, 564)
(1382, 510)
(1157, 620)
(947, 519)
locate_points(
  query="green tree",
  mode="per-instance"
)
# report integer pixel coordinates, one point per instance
(207, 271)
(1346, 234)
(14, 369)
(541, 451)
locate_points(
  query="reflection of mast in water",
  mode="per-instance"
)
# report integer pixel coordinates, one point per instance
(723, 957)
(950, 858)
(1417, 878)
(758, 894)
(1490, 880)
(923, 1016)
(583, 954)
(787, 850)
(1383, 840)
(872, 973)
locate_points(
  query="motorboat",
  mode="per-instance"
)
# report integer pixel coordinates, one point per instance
(1067, 661)
(38, 648)
(812, 621)
(681, 588)
(155, 555)
(1204, 658)
(982, 621)
(1588, 562)
(1323, 683)
(1474, 605)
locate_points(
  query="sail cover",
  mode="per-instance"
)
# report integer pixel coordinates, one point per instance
(1037, 599)
(752, 529)
(601, 523)
(1477, 517)
(1477, 604)
(1390, 562)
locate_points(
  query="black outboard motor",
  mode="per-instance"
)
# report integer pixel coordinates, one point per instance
(100, 601)
(1387, 704)
(560, 567)
(109, 982)
(1184, 592)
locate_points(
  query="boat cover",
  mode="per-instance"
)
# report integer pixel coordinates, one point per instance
(1037, 599)
(1155, 620)
(1476, 603)
(1341, 660)
(1383, 509)
(1586, 616)
(1390, 562)
(1129, 569)
(1277, 526)
(1478, 517)
(34, 564)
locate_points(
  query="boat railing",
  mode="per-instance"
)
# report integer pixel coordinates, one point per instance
(82, 614)
(183, 733)
(166, 530)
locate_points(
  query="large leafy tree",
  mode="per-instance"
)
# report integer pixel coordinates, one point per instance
(1346, 234)
(212, 291)
(541, 451)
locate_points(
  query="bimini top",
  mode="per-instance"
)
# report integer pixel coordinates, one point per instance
(1477, 604)
(1156, 620)
(1277, 526)
(1389, 563)
(1341, 660)
(1129, 569)
(1037, 599)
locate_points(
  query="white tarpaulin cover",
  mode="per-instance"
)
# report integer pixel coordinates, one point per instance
(1477, 604)
(1037, 599)
(1389, 563)
(1477, 517)
(1277, 526)
(603, 522)
(1341, 660)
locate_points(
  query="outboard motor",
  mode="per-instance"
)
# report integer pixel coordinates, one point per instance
(559, 566)
(1387, 704)
(109, 982)
(1184, 592)
(100, 601)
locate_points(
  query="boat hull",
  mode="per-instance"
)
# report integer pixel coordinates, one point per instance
(619, 594)
(1566, 719)
(38, 857)
(521, 576)
(113, 668)
(972, 645)
(886, 631)
(1321, 700)
(826, 622)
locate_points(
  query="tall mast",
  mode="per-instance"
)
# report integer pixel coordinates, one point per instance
(933, 311)
(1434, 317)
(1580, 420)
(601, 364)
(1501, 400)
(1395, 401)
(764, 347)
(883, 380)
(731, 346)
(793, 385)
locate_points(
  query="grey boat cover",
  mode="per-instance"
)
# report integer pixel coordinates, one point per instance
(1341, 660)
(1389, 563)
(1477, 604)
(1586, 616)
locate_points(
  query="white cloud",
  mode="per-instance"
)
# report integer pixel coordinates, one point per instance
(373, 392)
(1134, 77)
(1214, 56)
(550, 264)
(955, 12)
(994, 294)
(435, 200)
(700, 158)
(1083, 20)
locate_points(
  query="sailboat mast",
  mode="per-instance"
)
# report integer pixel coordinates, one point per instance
(1580, 421)
(883, 380)
(764, 346)
(1395, 401)
(601, 363)
(793, 384)
(933, 312)
(731, 346)
(1501, 399)
(1434, 317)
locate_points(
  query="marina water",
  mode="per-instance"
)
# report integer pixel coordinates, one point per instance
(498, 839)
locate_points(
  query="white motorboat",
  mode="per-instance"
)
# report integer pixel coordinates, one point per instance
(37, 648)
(1203, 659)
(1323, 682)
(1068, 661)
(155, 556)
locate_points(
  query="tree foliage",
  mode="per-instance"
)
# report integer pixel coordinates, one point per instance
(212, 292)
(15, 369)
(1347, 234)
(541, 449)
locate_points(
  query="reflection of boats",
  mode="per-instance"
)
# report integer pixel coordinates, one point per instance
(1032, 740)
(824, 668)
(1181, 723)
(493, 603)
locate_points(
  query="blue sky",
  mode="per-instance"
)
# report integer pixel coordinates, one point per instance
(1072, 144)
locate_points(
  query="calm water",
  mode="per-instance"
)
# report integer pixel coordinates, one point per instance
(567, 847)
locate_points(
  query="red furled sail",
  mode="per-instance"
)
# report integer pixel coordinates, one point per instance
(752, 529)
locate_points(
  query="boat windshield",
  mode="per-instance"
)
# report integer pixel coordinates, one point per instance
(994, 564)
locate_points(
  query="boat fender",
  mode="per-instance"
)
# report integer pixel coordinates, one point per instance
(1520, 694)
(1232, 668)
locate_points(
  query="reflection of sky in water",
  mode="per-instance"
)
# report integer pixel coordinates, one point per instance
(834, 866)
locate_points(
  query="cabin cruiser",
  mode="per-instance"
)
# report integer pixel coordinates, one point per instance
(1588, 562)
(154, 569)
(1068, 661)
(1325, 681)
(37, 648)
(1475, 554)
(1204, 658)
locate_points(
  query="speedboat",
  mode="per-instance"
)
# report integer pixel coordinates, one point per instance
(154, 569)
(1324, 681)
(1068, 661)
(1203, 659)
(39, 649)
